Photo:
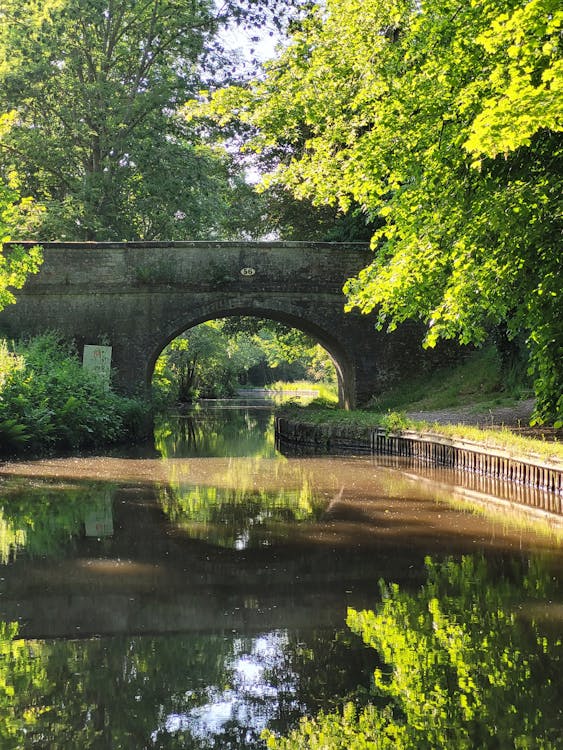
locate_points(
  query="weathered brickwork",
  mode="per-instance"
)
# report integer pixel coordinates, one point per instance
(137, 297)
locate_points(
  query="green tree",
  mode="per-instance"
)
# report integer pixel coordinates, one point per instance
(15, 262)
(207, 361)
(95, 86)
(215, 358)
(443, 122)
(525, 83)
(284, 346)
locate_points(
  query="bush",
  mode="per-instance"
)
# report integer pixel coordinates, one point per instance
(48, 401)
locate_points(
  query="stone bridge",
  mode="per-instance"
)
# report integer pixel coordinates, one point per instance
(138, 296)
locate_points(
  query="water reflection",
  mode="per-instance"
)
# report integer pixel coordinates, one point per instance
(243, 431)
(44, 519)
(462, 661)
(465, 665)
(204, 691)
(193, 600)
(244, 513)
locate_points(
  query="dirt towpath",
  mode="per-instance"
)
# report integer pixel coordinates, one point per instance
(517, 415)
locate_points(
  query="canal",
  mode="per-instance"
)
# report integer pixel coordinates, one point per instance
(193, 592)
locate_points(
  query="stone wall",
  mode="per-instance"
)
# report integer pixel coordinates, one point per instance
(138, 296)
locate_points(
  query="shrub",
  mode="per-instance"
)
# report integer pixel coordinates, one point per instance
(48, 401)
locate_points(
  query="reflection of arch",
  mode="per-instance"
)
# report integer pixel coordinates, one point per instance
(343, 366)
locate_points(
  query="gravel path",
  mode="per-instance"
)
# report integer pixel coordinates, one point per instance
(517, 415)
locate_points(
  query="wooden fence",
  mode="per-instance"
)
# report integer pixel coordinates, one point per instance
(469, 456)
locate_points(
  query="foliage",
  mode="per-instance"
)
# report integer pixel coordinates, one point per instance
(443, 122)
(94, 88)
(394, 421)
(525, 82)
(214, 359)
(283, 346)
(48, 401)
(462, 669)
(15, 262)
(206, 363)
(94, 135)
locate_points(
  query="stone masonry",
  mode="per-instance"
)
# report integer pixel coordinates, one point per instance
(138, 296)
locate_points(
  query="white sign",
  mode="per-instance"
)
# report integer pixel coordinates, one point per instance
(98, 359)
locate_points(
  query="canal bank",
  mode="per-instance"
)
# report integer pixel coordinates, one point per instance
(487, 469)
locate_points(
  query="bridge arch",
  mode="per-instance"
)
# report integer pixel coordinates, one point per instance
(337, 351)
(138, 296)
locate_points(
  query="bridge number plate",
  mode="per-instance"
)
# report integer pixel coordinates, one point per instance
(247, 271)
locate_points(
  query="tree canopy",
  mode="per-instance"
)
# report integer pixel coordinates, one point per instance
(443, 122)
(214, 359)
(95, 87)
(15, 262)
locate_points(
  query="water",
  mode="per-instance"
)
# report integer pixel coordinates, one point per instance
(195, 591)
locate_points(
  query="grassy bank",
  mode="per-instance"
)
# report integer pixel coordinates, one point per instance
(326, 392)
(396, 422)
(480, 383)
(482, 378)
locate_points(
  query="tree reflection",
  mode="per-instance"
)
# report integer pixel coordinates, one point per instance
(219, 432)
(113, 693)
(240, 515)
(46, 519)
(197, 691)
(465, 668)
(461, 664)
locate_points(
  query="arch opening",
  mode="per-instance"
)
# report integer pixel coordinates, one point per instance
(237, 348)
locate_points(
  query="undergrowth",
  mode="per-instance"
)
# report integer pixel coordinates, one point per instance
(49, 402)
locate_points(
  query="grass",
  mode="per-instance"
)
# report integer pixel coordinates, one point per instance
(501, 438)
(479, 382)
(326, 392)
(396, 422)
